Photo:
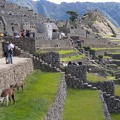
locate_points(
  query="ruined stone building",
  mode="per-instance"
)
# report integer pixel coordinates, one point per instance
(14, 18)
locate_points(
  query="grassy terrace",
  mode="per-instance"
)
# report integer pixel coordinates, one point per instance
(94, 78)
(83, 105)
(39, 93)
(117, 90)
(115, 116)
(61, 52)
(72, 58)
(116, 53)
(104, 48)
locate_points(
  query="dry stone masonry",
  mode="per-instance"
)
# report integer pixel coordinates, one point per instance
(15, 73)
(55, 112)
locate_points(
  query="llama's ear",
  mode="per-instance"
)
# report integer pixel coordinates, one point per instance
(12, 85)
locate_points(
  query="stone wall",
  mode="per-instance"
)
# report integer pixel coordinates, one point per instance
(105, 108)
(115, 56)
(47, 61)
(96, 69)
(116, 81)
(103, 52)
(15, 73)
(107, 86)
(55, 111)
(79, 71)
(117, 75)
(44, 44)
(1, 49)
(50, 58)
(113, 103)
(117, 62)
(27, 44)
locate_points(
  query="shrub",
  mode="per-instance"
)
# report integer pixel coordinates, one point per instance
(86, 48)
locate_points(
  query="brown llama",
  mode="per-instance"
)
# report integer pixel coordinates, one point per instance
(7, 94)
(18, 85)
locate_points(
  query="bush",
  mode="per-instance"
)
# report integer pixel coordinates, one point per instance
(100, 56)
(86, 48)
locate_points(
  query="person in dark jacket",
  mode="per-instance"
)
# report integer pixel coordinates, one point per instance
(6, 53)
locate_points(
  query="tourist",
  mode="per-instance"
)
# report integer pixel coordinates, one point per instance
(6, 53)
(69, 63)
(79, 63)
(23, 33)
(27, 33)
(10, 48)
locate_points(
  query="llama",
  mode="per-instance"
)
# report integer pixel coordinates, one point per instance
(18, 85)
(7, 94)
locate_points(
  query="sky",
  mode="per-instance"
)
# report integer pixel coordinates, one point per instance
(68, 1)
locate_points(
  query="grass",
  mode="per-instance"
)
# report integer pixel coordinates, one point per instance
(117, 90)
(116, 53)
(106, 57)
(104, 48)
(115, 40)
(39, 93)
(83, 105)
(94, 78)
(72, 58)
(107, 36)
(61, 52)
(109, 77)
(115, 116)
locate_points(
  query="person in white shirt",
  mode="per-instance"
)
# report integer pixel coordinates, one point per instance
(10, 48)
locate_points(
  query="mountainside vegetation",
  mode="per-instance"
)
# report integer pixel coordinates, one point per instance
(58, 11)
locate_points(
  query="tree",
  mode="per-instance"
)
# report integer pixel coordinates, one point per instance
(73, 16)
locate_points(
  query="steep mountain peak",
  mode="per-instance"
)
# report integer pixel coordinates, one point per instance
(93, 21)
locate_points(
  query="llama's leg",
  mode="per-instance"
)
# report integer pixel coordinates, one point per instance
(18, 89)
(10, 99)
(3, 101)
(22, 88)
(13, 99)
(7, 99)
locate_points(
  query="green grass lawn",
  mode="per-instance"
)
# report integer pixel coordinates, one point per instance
(72, 58)
(39, 94)
(94, 78)
(115, 116)
(106, 57)
(117, 90)
(83, 105)
(115, 40)
(61, 52)
(104, 48)
(116, 52)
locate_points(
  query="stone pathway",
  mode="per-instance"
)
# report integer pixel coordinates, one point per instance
(16, 60)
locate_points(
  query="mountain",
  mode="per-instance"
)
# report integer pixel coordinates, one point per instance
(58, 11)
(27, 3)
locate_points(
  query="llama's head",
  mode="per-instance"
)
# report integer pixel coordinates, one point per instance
(1, 99)
(12, 86)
